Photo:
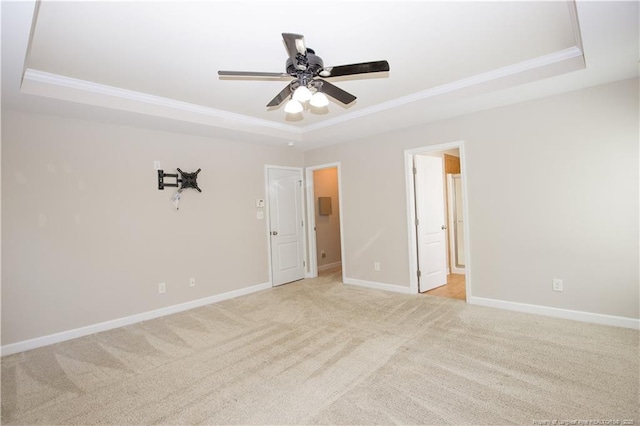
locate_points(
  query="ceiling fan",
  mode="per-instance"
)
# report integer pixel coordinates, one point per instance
(309, 72)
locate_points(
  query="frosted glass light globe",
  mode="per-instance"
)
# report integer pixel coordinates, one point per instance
(293, 107)
(319, 100)
(302, 94)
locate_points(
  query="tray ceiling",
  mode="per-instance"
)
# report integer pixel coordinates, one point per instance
(160, 59)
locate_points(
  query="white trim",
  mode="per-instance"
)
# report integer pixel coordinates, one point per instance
(267, 221)
(465, 218)
(411, 220)
(115, 92)
(32, 31)
(411, 212)
(311, 219)
(312, 268)
(451, 221)
(507, 71)
(378, 286)
(548, 311)
(38, 342)
(575, 24)
(227, 117)
(329, 266)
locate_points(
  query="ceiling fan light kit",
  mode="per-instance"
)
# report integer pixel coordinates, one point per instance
(303, 95)
(309, 72)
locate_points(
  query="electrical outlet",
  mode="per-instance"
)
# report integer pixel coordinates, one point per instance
(323, 254)
(376, 266)
(162, 287)
(156, 165)
(557, 284)
(192, 282)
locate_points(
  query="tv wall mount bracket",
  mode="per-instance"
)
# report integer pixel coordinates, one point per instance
(182, 181)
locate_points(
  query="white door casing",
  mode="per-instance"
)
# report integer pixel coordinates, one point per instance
(430, 215)
(456, 224)
(286, 225)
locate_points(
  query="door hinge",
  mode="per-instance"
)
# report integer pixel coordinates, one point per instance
(302, 223)
(419, 273)
(304, 263)
(300, 183)
(415, 171)
(417, 222)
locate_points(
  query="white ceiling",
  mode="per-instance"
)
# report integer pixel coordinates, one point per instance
(155, 63)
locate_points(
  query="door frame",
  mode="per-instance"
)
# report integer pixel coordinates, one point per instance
(267, 216)
(411, 211)
(451, 220)
(312, 258)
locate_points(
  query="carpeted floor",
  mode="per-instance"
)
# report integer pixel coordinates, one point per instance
(319, 352)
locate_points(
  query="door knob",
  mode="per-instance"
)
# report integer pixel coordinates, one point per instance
(443, 227)
(274, 233)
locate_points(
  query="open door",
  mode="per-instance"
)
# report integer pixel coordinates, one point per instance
(286, 225)
(430, 223)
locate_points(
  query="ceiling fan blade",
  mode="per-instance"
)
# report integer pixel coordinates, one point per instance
(296, 48)
(337, 93)
(252, 74)
(361, 68)
(280, 97)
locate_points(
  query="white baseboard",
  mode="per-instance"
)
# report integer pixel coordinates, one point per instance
(378, 286)
(38, 342)
(330, 266)
(558, 312)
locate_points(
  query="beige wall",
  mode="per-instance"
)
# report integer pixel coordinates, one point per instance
(325, 184)
(553, 193)
(87, 236)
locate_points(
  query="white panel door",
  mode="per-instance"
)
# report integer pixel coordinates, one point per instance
(430, 212)
(286, 225)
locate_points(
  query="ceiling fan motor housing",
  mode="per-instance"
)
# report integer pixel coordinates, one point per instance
(314, 65)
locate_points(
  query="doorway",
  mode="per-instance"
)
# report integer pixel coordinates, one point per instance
(438, 230)
(324, 201)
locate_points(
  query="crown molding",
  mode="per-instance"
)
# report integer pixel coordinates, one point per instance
(575, 23)
(113, 96)
(493, 75)
(118, 94)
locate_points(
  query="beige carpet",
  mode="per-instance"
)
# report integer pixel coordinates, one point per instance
(319, 352)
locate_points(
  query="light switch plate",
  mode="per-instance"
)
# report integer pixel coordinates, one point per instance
(259, 202)
(260, 215)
